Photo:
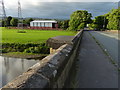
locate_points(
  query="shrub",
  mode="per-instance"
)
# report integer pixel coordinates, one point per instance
(4, 50)
(21, 31)
(28, 48)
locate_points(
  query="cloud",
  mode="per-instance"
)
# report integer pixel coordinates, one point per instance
(13, 3)
(52, 9)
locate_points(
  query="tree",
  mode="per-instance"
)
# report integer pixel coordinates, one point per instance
(59, 23)
(99, 21)
(78, 17)
(14, 22)
(8, 21)
(89, 20)
(65, 24)
(93, 26)
(114, 19)
(27, 21)
(81, 26)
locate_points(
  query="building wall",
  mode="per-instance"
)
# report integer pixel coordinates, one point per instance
(40, 24)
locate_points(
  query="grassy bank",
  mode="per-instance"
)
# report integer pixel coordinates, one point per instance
(28, 44)
(31, 36)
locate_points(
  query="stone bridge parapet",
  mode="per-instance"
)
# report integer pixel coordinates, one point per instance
(51, 71)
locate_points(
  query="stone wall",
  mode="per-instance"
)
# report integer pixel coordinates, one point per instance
(50, 72)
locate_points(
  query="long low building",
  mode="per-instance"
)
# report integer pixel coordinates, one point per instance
(43, 24)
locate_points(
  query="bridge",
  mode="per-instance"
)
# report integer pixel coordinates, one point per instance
(89, 60)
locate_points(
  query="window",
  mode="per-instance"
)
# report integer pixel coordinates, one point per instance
(36, 23)
(40, 25)
(44, 24)
(33, 23)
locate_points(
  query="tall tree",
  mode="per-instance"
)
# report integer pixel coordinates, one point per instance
(99, 23)
(99, 20)
(65, 24)
(114, 19)
(79, 19)
(14, 22)
(9, 18)
(27, 21)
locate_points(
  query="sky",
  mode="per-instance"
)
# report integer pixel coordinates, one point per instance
(58, 9)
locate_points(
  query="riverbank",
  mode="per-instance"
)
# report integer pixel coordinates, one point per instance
(28, 45)
(23, 55)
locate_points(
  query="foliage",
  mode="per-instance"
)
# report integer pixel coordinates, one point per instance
(64, 24)
(27, 48)
(114, 19)
(59, 23)
(81, 26)
(21, 31)
(31, 42)
(93, 26)
(99, 20)
(3, 23)
(27, 21)
(99, 23)
(111, 21)
(9, 18)
(78, 17)
(14, 22)
(10, 21)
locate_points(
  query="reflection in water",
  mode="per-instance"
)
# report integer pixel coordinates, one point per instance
(13, 67)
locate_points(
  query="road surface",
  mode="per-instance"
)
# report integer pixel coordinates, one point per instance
(109, 41)
(95, 69)
(92, 67)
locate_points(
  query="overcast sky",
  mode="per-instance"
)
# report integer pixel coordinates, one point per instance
(60, 9)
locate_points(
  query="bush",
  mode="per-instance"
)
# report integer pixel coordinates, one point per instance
(21, 31)
(27, 48)
(4, 50)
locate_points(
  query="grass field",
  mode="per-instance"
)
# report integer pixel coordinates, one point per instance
(31, 36)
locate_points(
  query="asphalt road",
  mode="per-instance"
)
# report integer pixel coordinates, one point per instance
(109, 41)
(92, 67)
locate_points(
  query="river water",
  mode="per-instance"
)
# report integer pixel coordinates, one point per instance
(10, 68)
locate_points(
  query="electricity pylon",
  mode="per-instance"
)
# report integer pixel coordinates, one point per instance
(2, 13)
(19, 10)
(20, 19)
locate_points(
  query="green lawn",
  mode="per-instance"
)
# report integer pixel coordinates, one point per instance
(31, 36)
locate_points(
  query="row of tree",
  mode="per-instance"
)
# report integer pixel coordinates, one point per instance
(110, 21)
(11, 21)
(78, 20)
(81, 18)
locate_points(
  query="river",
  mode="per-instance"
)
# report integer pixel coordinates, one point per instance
(10, 68)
